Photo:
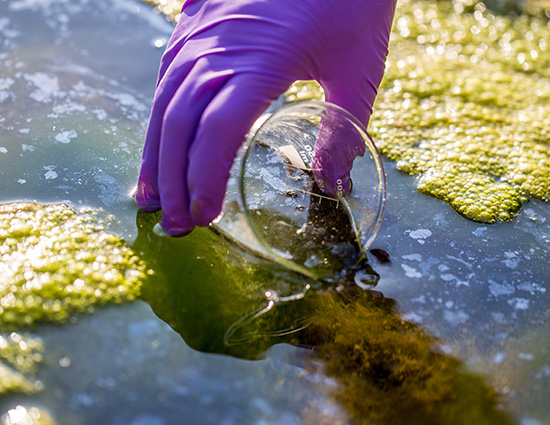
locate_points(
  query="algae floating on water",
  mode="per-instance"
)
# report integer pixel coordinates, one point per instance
(19, 359)
(21, 415)
(169, 8)
(54, 263)
(12, 381)
(465, 103)
(23, 352)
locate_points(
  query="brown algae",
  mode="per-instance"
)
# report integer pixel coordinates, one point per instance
(54, 263)
(390, 371)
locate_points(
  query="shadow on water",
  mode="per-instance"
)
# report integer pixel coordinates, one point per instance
(389, 370)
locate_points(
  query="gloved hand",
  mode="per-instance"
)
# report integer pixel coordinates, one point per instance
(226, 61)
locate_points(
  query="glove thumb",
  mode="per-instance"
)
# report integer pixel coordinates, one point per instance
(340, 138)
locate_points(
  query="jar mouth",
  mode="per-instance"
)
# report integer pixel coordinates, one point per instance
(297, 217)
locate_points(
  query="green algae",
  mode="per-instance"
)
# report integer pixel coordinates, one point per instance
(12, 381)
(390, 370)
(304, 90)
(169, 8)
(473, 195)
(54, 263)
(23, 352)
(19, 359)
(465, 104)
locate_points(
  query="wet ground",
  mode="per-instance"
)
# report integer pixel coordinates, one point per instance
(76, 82)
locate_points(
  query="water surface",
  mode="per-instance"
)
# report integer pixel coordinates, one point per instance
(76, 82)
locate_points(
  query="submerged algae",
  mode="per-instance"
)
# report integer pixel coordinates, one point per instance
(204, 273)
(53, 263)
(390, 370)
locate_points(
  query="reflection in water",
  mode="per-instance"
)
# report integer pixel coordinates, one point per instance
(201, 287)
(390, 371)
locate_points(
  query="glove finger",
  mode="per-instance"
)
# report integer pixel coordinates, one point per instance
(227, 118)
(179, 126)
(354, 88)
(147, 195)
(177, 62)
(339, 142)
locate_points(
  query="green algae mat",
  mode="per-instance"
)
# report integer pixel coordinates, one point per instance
(55, 263)
(465, 105)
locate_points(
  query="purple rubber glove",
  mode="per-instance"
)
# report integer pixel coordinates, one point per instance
(226, 61)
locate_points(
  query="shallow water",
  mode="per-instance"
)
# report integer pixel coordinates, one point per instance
(76, 82)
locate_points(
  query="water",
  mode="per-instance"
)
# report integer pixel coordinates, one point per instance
(76, 83)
